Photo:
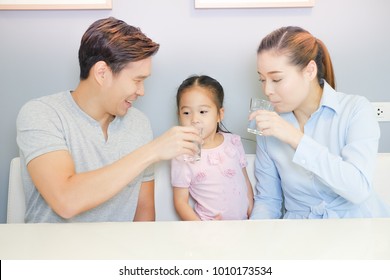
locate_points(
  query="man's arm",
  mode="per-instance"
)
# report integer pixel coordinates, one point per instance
(69, 193)
(145, 207)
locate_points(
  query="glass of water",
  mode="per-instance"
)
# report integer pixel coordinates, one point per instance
(197, 156)
(258, 104)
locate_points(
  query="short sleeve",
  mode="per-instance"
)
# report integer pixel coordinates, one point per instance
(148, 173)
(39, 130)
(180, 174)
(236, 141)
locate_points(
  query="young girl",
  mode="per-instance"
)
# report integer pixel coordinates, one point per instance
(218, 182)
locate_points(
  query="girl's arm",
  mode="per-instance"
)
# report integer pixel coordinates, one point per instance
(250, 192)
(183, 208)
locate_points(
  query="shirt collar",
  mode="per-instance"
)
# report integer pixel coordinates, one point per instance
(329, 98)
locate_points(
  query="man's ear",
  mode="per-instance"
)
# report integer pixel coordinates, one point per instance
(311, 70)
(100, 72)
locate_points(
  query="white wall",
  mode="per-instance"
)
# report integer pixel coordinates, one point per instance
(38, 55)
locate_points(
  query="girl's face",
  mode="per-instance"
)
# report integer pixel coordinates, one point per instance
(197, 107)
(285, 85)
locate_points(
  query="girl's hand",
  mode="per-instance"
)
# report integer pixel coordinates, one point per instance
(250, 208)
(218, 217)
(271, 124)
(178, 140)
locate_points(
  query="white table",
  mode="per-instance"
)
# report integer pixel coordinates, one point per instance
(355, 239)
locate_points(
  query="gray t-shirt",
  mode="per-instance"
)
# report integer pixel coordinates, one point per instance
(56, 122)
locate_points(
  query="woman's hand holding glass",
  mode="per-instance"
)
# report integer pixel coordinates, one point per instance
(271, 124)
(255, 105)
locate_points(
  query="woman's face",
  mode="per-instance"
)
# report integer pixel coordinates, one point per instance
(285, 85)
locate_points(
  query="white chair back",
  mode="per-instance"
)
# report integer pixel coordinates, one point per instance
(16, 200)
(165, 210)
(381, 179)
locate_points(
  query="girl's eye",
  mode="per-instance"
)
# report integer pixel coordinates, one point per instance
(203, 112)
(185, 113)
(277, 80)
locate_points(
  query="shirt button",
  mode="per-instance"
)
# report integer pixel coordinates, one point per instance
(303, 161)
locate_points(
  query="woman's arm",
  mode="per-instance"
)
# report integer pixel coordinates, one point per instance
(268, 199)
(346, 165)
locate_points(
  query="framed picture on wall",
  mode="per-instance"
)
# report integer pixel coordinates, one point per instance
(206, 4)
(55, 4)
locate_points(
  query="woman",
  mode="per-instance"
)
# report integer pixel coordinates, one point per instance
(317, 154)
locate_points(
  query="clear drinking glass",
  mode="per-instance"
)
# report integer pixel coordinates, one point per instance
(258, 104)
(197, 156)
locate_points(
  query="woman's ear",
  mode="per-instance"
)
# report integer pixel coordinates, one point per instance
(311, 70)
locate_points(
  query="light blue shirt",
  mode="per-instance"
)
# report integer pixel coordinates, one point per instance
(330, 173)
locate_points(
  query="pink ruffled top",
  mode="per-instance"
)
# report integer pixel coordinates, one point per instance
(216, 182)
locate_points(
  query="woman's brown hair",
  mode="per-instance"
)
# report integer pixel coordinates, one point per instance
(301, 47)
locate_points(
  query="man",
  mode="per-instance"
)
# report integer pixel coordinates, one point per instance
(87, 155)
